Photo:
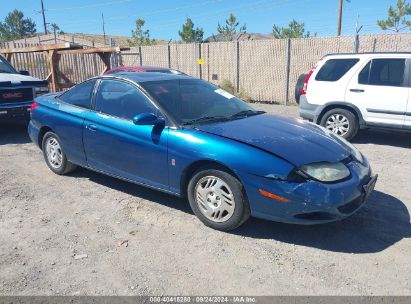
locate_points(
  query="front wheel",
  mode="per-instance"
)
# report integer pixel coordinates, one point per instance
(341, 122)
(217, 199)
(54, 154)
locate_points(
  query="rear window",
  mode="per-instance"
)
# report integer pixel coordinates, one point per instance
(80, 95)
(160, 71)
(334, 69)
(115, 72)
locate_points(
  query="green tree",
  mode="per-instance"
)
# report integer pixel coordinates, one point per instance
(294, 30)
(229, 30)
(139, 36)
(55, 28)
(15, 26)
(397, 20)
(189, 34)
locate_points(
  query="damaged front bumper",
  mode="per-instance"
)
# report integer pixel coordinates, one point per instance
(311, 202)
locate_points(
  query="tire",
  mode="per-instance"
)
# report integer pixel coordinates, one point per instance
(54, 154)
(341, 122)
(298, 87)
(205, 194)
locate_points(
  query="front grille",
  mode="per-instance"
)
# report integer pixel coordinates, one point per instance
(352, 206)
(315, 216)
(16, 95)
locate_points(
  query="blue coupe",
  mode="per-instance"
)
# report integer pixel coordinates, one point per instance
(187, 137)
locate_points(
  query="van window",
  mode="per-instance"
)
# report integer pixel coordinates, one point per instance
(334, 69)
(383, 72)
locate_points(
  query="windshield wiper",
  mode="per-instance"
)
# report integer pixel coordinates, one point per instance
(246, 113)
(205, 119)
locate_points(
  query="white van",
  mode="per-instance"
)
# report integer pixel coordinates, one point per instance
(348, 92)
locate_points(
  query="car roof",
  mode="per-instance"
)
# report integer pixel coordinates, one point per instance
(370, 54)
(146, 77)
(141, 68)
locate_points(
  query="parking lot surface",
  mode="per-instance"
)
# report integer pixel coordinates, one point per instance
(89, 234)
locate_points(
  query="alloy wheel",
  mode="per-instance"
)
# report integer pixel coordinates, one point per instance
(338, 124)
(54, 153)
(214, 198)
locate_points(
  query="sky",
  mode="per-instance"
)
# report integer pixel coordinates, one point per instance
(164, 18)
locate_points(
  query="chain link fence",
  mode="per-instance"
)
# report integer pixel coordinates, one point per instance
(266, 70)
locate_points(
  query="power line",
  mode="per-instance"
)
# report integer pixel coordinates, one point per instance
(116, 22)
(153, 12)
(256, 6)
(88, 6)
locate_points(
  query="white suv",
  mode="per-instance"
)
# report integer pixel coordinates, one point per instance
(348, 92)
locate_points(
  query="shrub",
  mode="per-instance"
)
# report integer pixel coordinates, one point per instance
(228, 86)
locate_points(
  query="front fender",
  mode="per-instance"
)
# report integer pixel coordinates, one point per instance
(189, 146)
(345, 105)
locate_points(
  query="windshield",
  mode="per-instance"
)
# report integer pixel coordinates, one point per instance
(191, 101)
(5, 67)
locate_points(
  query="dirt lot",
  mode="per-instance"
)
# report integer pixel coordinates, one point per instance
(47, 220)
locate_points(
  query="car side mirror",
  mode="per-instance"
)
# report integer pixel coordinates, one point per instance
(147, 119)
(25, 73)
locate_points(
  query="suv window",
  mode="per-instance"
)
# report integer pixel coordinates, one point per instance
(334, 69)
(120, 99)
(80, 95)
(384, 72)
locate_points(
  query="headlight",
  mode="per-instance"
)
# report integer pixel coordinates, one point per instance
(326, 172)
(41, 91)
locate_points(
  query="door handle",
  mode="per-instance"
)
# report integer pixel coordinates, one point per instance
(91, 127)
(357, 90)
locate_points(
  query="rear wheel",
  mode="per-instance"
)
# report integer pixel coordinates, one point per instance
(217, 199)
(341, 122)
(54, 154)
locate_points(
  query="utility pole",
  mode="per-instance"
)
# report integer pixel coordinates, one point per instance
(104, 30)
(340, 14)
(340, 18)
(357, 35)
(44, 18)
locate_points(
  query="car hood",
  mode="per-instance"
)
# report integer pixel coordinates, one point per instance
(296, 141)
(18, 78)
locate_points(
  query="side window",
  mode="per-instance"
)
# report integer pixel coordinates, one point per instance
(387, 72)
(364, 74)
(121, 99)
(80, 95)
(334, 69)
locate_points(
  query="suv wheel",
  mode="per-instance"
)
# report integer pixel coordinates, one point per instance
(217, 199)
(298, 87)
(341, 122)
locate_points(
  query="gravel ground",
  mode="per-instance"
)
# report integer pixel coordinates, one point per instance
(60, 235)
